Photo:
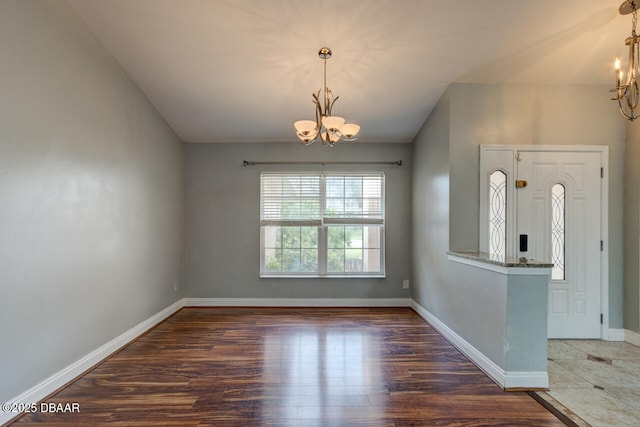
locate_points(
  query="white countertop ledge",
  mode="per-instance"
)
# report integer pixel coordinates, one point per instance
(503, 265)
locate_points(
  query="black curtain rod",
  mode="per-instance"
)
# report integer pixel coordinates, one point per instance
(250, 163)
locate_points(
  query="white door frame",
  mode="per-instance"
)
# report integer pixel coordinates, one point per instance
(508, 164)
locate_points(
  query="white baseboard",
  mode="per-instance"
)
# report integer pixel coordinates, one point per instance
(530, 380)
(62, 377)
(505, 379)
(297, 302)
(615, 335)
(624, 335)
(632, 337)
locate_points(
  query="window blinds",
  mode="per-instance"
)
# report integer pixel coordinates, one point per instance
(314, 199)
(287, 199)
(354, 199)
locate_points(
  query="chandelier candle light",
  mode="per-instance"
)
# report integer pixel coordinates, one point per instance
(628, 93)
(330, 128)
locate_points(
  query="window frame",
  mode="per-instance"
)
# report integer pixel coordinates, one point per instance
(322, 226)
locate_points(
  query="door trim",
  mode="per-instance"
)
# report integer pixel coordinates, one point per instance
(513, 150)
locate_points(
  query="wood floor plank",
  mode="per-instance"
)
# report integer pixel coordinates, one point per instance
(290, 366)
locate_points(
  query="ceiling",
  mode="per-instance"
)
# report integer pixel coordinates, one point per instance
(244, 70)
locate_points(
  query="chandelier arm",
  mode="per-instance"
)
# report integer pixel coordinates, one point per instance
(325, 139)
(631, 62)
(620, 92)
(316, 100)
(331, 105)
(318, 110)
(632, 96)
(632, 90)
(624, 113)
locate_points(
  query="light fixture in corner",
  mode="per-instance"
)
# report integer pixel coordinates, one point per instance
(331, 129)
(627, 91)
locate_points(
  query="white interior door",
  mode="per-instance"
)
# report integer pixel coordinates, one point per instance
(558, 220)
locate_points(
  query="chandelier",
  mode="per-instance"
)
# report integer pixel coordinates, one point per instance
(330, 128)
(627, 91)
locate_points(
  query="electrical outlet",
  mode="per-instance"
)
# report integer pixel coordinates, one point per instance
(405, 284)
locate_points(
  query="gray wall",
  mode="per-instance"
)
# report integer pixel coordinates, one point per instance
(223, 235)
(91, 194)
(430, 212)
(449, 290)
(446, 164)
(631, 228)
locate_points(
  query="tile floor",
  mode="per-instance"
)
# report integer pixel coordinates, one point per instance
(599, 381)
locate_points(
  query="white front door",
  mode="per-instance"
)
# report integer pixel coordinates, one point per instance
(558, 220)
(560, 217)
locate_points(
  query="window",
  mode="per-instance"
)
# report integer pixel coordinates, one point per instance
(558, 232)
(498, 214)
(322, 224)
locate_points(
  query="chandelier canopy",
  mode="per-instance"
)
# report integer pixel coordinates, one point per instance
(330, 128)
(627, 91)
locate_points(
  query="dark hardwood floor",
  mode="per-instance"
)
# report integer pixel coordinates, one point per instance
(290, 367)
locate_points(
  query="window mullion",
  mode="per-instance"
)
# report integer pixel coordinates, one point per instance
(322, 250)
(322, 233)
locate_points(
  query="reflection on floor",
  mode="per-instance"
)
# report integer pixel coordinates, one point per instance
(599, 381)
(300, 367)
